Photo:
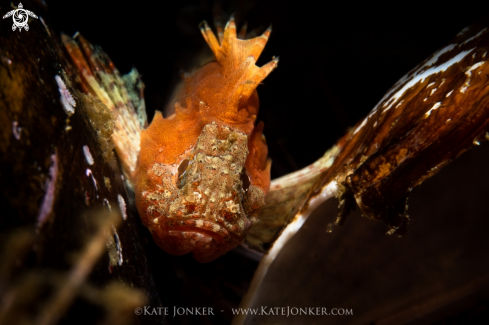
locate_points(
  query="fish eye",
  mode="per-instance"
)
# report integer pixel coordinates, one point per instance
(245, 180)
(182, 167)
(181, 171)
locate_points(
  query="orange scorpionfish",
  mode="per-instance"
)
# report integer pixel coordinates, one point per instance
(203, 171)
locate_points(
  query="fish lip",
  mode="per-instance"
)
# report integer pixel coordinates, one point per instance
(206, 245)
(205, 239)
(212, 228)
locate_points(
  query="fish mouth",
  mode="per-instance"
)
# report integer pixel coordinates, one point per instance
(207, 240)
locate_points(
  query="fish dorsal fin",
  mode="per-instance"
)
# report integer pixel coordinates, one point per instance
(235, 54)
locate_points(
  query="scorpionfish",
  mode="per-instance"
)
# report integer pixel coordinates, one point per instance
(203, 172)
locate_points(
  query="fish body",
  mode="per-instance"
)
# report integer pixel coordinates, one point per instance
(203, 172)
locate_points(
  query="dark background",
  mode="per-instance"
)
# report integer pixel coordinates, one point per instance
(336, 62)
(337, 59)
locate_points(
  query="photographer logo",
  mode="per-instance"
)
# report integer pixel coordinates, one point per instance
(20, 17)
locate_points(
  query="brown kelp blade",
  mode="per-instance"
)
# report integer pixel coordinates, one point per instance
(428, 118)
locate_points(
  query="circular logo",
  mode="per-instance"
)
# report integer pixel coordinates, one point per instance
(20, 17)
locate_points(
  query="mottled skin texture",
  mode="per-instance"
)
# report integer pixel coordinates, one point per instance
(203, 171)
